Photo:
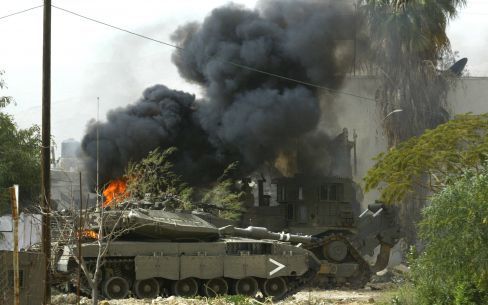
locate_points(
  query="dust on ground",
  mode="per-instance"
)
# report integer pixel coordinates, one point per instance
(312, 297)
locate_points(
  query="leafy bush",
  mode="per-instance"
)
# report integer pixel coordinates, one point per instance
(19, 160)
(155, 175)
(404, 295)
(453, 269)
(224, 196)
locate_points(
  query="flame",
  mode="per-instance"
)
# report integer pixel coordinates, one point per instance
(89, 234)
(286, 163)
(116, 191)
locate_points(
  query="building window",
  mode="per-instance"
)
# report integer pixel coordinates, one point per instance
(293, 193)
(302, 214)
(333, 188)
(290, 212)
(331, 192)
(300, 193)
(281, 193)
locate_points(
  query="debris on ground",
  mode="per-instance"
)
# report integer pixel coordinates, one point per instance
(312, 297)
(389, 278)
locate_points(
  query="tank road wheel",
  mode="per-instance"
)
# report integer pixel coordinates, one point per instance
(246, 286)
(336, 250)
(215, 287)
(116, 287)
(275, 287)
(186, 287)
(146, 289)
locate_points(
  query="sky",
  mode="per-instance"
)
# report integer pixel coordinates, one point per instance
(91, 61)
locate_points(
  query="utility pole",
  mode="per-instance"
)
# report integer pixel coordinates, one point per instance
(80, 229)
(14, 197)
(45, 150)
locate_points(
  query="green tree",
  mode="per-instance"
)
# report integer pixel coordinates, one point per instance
(20, 159)
(4, 100)
(155, 175)
(405, 39)
(226, 196)
(431, 160)
(453, 268)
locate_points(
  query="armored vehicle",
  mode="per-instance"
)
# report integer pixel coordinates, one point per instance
(327, 208)
(158, 252)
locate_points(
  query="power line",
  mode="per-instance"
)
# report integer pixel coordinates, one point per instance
(228, 62)
(334, 91)
(20, 12)
(118, 28)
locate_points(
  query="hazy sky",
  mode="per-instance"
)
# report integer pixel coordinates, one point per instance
(90, 60)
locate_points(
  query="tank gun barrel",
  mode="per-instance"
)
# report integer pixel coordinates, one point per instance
(263, 233)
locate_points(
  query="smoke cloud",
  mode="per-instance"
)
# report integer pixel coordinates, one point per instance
(245, 116)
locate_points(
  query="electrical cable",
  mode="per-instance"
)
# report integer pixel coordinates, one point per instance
(228, 62)
(309, 84)
(20, 12)
(334, 91)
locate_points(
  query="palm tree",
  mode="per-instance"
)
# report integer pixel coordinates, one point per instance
(406, 39)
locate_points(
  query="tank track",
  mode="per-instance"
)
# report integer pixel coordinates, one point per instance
(85, 287)
(297, 284)
(358, 280)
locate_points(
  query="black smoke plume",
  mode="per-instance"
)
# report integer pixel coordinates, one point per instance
(245, 115)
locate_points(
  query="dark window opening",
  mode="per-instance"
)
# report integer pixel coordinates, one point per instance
(281, 193)
(331, 192)
(302, 214)
(290, 212)
(293, 193)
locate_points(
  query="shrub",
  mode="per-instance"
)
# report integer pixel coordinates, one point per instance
(453, 269)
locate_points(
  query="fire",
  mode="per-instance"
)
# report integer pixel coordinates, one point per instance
(90, 234)
(286, 163)
(116, 191)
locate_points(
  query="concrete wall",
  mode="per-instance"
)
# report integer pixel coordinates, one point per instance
(360, 114)
(29, 231)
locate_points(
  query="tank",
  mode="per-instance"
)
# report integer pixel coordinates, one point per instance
(158, 252)
(327, 209)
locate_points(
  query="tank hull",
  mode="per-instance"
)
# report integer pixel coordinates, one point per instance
(169, 265)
